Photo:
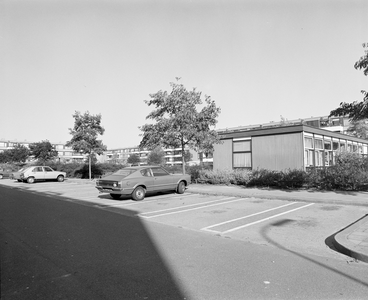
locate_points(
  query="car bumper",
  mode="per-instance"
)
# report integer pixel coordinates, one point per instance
(114, 190)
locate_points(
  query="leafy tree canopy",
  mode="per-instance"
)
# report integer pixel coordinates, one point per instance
(357, 110)
(156, 157)
(43, 151)
(359, 129)
(178, 123)
(85, 132)
(133, 159)
(19, 154)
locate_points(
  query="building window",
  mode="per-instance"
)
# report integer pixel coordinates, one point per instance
(241, 146)
(319, 158)
(318, 144)
(308, 157)
(242, 155)
(308, 141)
(335, 145)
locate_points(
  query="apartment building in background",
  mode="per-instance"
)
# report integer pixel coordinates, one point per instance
(173, 157)
(65, 154)
(279, 145)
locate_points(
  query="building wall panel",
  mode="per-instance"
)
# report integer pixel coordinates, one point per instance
(223, 155)
(278, 152)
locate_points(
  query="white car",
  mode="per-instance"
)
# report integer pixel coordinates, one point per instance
(40, 173)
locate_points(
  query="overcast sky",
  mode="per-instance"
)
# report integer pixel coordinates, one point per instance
(258, 59)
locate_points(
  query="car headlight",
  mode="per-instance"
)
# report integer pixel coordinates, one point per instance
(114, 184)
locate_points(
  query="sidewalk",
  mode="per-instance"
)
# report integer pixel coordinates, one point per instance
(351, 240)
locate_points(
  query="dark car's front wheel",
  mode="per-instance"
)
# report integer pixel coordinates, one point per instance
(139, 193)
(115, 196)
(181, 187)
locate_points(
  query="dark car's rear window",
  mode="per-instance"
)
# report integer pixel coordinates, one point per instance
(124, 172)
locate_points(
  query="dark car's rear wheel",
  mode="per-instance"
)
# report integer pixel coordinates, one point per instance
(139, 193)
(181, 187)
(115, 196)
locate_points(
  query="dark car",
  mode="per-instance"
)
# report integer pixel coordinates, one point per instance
(137, 181)
(6, 173)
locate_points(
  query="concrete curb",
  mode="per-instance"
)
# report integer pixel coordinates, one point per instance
(297, 195)
(343, 240)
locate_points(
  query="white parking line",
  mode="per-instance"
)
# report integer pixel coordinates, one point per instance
(262, 220)
(245, 217)
(181, 210)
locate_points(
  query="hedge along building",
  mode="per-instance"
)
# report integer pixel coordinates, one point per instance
(283, 147)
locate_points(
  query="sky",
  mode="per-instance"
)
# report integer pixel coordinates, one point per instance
(259, 60)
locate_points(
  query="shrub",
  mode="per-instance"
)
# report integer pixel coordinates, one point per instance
(195, 171)
(216, 176)
(263, 177)
(293, 179)
(83, 172)
(349, 173)
(241, 177)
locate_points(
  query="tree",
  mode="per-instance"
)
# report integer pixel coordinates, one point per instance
(19, 154)
(156, 157)
(85, 133)
(356, 111)
(178, 123)
(133, 159)
(359, 129)
(43, 151)
(5, 156)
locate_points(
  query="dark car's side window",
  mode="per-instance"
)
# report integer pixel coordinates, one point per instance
(146, 172)
(159, 172)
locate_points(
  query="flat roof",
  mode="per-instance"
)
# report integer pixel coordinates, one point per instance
(245, 132)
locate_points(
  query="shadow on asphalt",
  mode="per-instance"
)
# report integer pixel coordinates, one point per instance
(55, 249)
(271, 241)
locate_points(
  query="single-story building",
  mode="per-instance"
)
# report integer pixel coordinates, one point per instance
(282, 147)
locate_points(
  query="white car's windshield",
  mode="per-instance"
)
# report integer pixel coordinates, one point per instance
(124, 172)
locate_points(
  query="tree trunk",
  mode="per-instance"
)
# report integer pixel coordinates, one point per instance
(201, 159)
(182, 158)
(90, 167)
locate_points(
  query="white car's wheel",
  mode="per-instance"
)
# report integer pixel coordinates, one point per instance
(30, 179)
(60, 178)
(1, 176)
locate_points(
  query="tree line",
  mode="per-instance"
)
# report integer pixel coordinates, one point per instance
(42, 151)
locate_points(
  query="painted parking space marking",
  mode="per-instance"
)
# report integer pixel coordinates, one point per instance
(155, 199)
(181, 210)
(255, 222)
(245, 217)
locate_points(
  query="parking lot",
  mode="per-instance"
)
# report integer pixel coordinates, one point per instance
(296, 226)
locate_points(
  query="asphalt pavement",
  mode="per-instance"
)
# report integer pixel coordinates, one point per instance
(351, 240)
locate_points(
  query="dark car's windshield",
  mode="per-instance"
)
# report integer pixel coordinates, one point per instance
(124, 172)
